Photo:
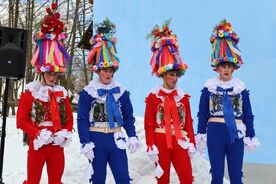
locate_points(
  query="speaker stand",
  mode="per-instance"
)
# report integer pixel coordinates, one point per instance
(3, 134)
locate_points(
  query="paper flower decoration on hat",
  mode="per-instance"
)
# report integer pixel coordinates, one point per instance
(164, 46)
(50, 54)
(103, 53)
(224, 46)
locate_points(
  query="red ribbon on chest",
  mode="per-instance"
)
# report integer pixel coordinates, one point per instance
(54, 109)
(171, 115)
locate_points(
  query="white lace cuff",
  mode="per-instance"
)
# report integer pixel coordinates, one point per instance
(241, 130)
(120, 140)
(43, 138)
(251, 144)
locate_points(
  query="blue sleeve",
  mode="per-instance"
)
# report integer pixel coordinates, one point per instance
(84, 106)
(127, 113)
(248, 117)
(203, 113)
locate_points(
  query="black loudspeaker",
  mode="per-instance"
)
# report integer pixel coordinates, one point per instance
(13, 46)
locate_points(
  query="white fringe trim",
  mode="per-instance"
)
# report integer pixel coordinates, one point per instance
(180, 92)
(237, 84)
(41, 92)
(94, 85)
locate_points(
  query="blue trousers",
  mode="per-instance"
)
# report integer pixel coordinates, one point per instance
(219, 146)
(106, 151)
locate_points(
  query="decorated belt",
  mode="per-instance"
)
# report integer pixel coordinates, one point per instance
(45, 123)
(106, 130)
(103, 124)
(221, 120)
(163, 131)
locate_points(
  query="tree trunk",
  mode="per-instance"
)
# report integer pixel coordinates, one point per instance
(29, 25)
(83, 52)
(72, 51)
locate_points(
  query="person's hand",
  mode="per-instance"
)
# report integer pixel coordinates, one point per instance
(184, 142)
(153, 153)
(63, 138)
(133, 144)
(58, 138)
(87, 150)
(43, 138)
(251, 144)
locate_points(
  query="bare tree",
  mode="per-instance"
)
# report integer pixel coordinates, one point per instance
(27, 14)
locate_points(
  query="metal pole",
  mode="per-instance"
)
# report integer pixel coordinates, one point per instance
(3, 135)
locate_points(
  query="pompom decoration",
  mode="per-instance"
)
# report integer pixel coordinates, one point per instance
(103, 53)
(50, 54)
(224, 46)
(165, 46)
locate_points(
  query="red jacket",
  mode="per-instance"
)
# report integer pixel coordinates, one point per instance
(154, 116)
(27, 115)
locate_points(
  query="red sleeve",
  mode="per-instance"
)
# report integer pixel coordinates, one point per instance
(150, 115)
(69, 115)
(189, 121)
(23, 118)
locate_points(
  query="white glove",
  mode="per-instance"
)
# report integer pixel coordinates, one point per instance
(87, 150)
(201, 141)
(43, 138)
(58, 138)
(184, 143)
(251, 144)
(153, 153)
(133, 144)
(63, 138)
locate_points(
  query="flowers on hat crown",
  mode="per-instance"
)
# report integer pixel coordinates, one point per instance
(103, 51)
(50, 54)
(224, 30)
(50, 68)
(224, 46)
(51, 27)
(165, 48)
(105, 32)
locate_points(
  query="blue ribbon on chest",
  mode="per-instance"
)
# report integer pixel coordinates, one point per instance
(111, 106)
(229, 114)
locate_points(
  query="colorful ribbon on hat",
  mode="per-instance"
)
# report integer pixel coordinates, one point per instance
(111, 106)
(229, 114)
(103, 53)
(55, 113)
(171, 114)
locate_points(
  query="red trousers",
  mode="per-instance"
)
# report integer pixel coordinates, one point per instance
(177, 156)
(53, 156)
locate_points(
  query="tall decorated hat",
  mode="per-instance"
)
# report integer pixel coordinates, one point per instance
(225, 46)
(103, 53)
(165, 51)
(50, 54)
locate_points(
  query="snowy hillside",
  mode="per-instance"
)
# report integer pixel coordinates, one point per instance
(141, 168)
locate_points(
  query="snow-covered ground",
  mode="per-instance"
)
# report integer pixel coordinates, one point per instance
(140, 167)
